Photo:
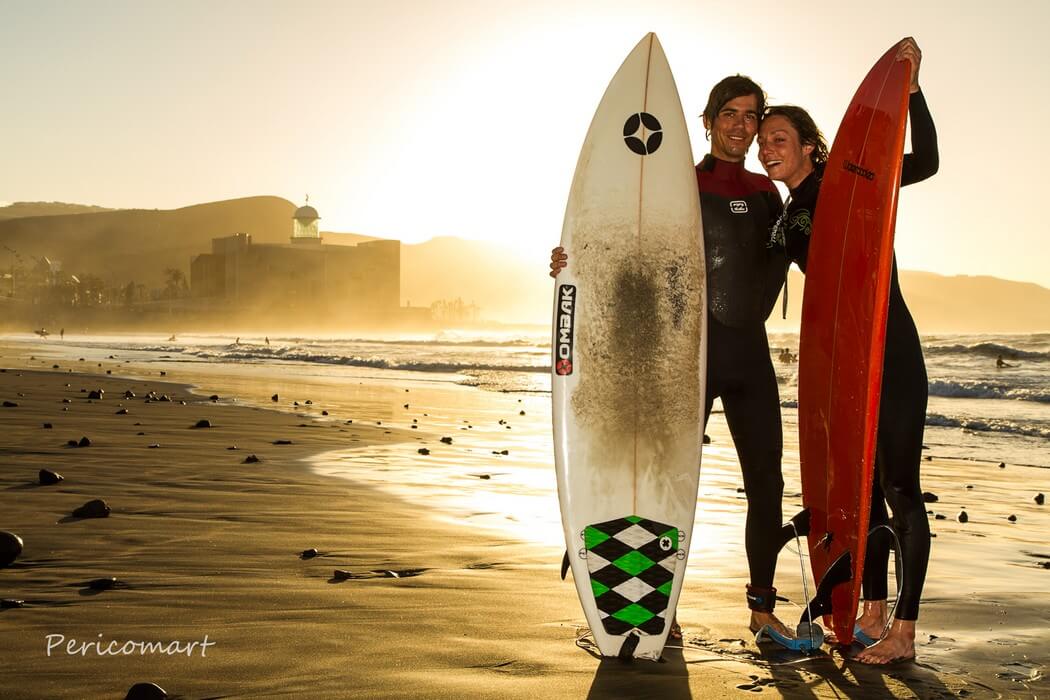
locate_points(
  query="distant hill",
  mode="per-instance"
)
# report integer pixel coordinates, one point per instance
(21, 210)
(138, 244)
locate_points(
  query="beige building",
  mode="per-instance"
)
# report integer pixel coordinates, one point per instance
(303, 281)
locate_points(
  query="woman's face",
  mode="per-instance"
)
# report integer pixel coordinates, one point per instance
(781, 152)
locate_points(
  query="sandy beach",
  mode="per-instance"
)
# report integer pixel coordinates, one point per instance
(438, 600)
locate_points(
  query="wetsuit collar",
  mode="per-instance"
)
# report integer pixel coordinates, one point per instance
(721, 167)
(811, 182)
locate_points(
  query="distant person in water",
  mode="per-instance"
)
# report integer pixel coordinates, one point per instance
(1000, 363)
(62, 336)
(267, 340)
(793, 151)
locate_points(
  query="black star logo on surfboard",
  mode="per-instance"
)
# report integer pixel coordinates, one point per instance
(652, 124)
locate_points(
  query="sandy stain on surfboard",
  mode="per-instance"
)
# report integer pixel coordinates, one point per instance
(644, 314)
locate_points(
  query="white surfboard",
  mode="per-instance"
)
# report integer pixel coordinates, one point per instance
(628, 358)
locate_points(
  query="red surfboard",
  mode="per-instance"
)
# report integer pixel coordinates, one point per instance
(844, 329)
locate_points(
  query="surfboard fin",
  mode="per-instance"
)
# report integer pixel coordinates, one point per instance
(798, 526)
(564, 564)
(630, 643)
(808, 639)
(840, 572)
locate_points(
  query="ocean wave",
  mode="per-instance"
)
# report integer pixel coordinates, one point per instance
(985, 390)
(987, 425)
(991, 350)
(237, 353)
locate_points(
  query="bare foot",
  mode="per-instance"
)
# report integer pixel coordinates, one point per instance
(675, 633)
(873, 620)
(761, 619)
(897, 645)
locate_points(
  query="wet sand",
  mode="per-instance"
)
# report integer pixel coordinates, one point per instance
(204, 544)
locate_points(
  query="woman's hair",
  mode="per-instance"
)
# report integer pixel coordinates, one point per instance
(808, 133)
(729, 89)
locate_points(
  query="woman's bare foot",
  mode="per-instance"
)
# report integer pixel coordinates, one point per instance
(872, 620)
(761, 619)
(897, 645)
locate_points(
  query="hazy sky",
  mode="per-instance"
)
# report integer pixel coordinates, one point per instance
(412, 119)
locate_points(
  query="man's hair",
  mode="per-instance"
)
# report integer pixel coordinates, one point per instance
(729, 89)
(808, 133)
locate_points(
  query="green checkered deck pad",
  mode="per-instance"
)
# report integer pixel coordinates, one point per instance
(631, 562)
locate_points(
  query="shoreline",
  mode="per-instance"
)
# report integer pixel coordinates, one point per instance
(208, 545)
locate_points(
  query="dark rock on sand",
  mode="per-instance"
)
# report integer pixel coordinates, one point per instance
(1012, 518)
(282, 442)
(1039, 499)
(10, 404)
(10, 547)
(103, 584)
(1002, 465)
(707, 439)
(93, 509)
(202, 423)
(962, 517)
(48, 477)
(446, 440)
(96, 394)
(251, 459)
(324, 413)
(12, 603)
(484, 476)
(928, 497)
(423, 451)
(275, 397)
(84, 442)
(154, 445)
(308, 553)
(213, 397)
(48, 426)
(940, 517)
(71, 443)
(67, 401)
(146, 691)
(129, 394)
(122, 412)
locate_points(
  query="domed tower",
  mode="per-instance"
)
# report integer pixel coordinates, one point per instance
(304, 226)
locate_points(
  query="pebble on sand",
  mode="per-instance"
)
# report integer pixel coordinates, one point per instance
(48, 426)
(96, 508)
(1002, 465)
(48, 477)
(10, 547)
(940, 517)
(446, 440)
(929, 497)
(275, 397)
(1039, 499)
(1012, 518)
(213, 397)
(282, 442)
(10, 404)
(962, 517)
(96, 394)
(12, 603)
(129, 394)
(423, 451)
(122, 412)
(202, 423)
(146, 691)
(103, 584)
(308, 553)
(251, 459)
(84, 442)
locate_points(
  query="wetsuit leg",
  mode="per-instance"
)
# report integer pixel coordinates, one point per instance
(751, 401)
(902, 417)
(876, 559)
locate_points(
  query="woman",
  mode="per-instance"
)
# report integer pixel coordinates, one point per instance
(793, 151)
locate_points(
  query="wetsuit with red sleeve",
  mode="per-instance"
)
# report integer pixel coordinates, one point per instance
(744, 275)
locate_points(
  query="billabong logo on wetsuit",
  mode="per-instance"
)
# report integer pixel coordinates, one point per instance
(566, 319)
(857, 170)
(630, 128)
(738, 206)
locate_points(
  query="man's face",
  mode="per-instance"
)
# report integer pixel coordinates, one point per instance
(734, 128)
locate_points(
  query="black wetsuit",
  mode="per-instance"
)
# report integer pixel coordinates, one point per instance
(902, 407)
(744, 275)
